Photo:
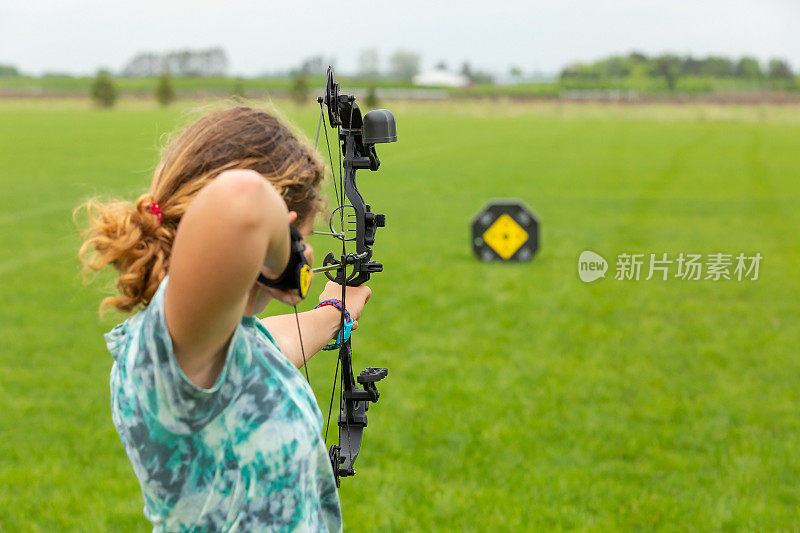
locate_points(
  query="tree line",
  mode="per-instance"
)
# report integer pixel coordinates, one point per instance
(671, 67)
(184, 63)
(401, 65)
(399, 68)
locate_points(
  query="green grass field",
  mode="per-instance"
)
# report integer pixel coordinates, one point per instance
(518, 398)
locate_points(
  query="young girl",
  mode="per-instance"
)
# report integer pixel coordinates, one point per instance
(222, 430)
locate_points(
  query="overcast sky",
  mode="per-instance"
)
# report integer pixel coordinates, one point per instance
(266, 36)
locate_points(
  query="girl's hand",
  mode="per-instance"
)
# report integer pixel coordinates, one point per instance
(288, 297)
(355, 298)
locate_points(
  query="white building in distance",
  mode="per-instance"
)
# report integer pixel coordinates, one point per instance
(440, 78)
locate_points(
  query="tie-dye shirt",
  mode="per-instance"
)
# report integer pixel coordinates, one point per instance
(245, 455)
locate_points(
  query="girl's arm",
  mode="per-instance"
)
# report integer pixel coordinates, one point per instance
(235, 226)
(319, 326)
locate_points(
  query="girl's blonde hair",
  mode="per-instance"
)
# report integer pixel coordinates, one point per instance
(133, 240)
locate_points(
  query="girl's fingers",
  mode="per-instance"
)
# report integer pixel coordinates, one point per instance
(287, 297)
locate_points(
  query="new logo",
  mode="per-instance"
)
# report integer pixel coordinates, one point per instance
(591, 266)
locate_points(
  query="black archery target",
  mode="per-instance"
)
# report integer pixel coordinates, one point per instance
(505, 230)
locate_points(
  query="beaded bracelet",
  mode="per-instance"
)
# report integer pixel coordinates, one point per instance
(344, 334)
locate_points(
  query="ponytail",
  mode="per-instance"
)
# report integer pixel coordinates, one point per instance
(132, 239)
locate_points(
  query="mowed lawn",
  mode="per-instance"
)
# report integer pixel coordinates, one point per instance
(518, 397)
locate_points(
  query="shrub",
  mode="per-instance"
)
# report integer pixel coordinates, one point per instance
(299, 90)
(165, 94)
(238, 89)
(371, 101)
(103, 91)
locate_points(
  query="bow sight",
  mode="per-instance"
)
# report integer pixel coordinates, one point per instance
(357, 138)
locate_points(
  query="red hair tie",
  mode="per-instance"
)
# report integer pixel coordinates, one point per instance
(156, 210)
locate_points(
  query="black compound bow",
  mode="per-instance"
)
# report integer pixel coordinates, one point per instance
(357, 137)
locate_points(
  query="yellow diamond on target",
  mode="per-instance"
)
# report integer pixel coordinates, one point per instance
(505, 236)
